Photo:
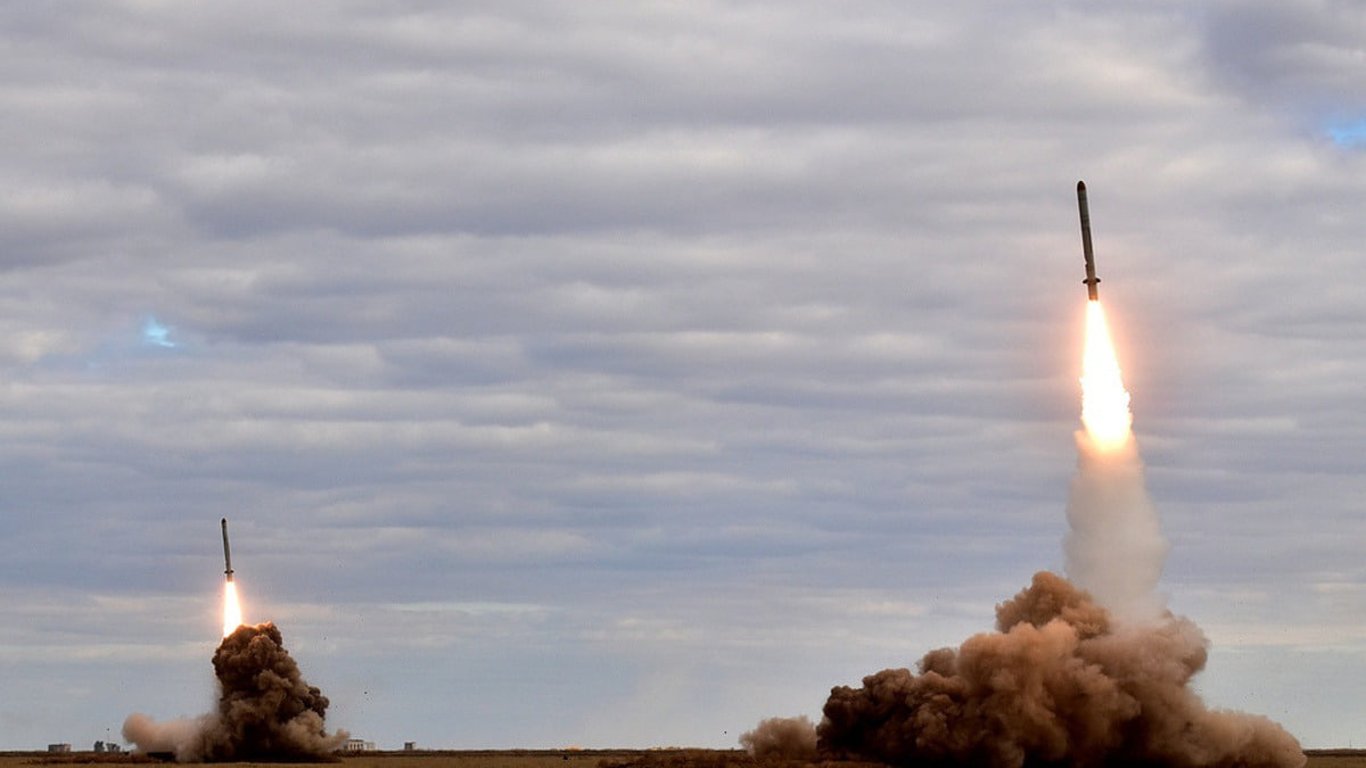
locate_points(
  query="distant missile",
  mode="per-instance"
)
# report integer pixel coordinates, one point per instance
(227, 553)
(1091, 280)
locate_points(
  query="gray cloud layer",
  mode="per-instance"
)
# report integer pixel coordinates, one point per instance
(657, 356)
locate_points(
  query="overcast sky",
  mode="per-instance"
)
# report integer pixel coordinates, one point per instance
(621, 374)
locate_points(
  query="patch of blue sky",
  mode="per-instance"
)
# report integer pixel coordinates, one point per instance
(1348, 134)
(155, 334)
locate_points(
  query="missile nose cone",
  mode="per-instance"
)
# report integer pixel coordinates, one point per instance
(1081, 186)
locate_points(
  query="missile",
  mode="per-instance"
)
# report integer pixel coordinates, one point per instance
(227, 553)
(1091, 280)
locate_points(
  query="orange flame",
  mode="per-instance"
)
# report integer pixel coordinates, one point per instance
(1104, 401)
(232, 609)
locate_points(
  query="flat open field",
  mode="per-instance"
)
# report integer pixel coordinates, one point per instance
(532, 758)
(503, 758)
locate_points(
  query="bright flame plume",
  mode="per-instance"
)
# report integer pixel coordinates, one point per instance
(232, 609)
(1104, 401)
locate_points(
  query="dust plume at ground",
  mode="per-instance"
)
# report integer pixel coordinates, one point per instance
(1057, 683)
(1092, 673)
(266, 710)
(781, 738)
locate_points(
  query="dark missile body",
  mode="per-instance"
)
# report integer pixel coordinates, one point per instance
(1091, 280)
(227, 553)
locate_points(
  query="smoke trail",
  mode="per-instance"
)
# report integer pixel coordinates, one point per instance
(781, 738)
(1114, 546)
(266, 710)
(1060, 684)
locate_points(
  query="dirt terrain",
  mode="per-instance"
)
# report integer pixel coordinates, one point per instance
(532, 758)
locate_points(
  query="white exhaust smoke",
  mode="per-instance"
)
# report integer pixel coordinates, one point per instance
(1114, 546)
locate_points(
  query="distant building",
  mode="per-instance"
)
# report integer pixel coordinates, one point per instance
(410, 746)
(59, 747)
(358, 745)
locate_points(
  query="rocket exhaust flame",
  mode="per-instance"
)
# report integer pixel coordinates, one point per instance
(232, 608)
(1104, 401)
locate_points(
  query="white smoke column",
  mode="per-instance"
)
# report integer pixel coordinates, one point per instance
(1114, 548)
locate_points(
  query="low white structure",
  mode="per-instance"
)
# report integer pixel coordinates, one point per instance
(358, 745)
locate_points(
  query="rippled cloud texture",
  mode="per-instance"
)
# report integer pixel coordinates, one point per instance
(606, 375)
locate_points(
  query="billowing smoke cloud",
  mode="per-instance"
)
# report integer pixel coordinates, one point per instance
(781, 738)
(1058, 683)
(1115, 549)
(1096, 674)
(266, 711)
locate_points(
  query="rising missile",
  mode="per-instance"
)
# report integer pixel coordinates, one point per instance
(227, 553)
(1091, 280)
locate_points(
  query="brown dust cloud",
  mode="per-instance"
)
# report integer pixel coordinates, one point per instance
(266, 711)
(1059, 683)
(1088, 670)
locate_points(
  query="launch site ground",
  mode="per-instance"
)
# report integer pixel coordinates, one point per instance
(574, 758)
